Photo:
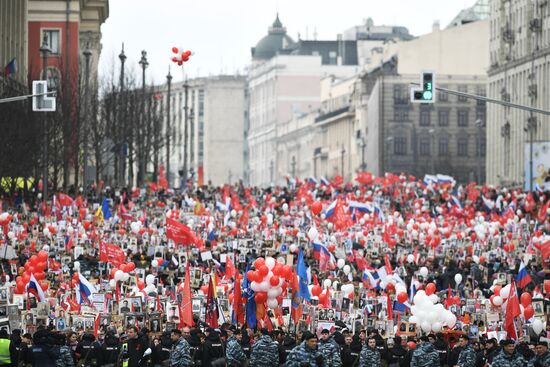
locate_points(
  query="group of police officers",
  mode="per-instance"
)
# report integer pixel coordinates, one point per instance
(231, 346)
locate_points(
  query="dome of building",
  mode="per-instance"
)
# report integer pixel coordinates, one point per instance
(276, 40)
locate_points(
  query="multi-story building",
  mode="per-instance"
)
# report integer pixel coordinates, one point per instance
(215, 123)
(447, 137)
(519, 73)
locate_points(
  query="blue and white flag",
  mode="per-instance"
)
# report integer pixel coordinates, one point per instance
(85, 289)
(34, 288)
(330, 210)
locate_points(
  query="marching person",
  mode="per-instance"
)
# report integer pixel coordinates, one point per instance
(132, 349)
(265, 352)
(234, 352)
(180, 355)
(306, 353)
(370, 356)
(425, 354)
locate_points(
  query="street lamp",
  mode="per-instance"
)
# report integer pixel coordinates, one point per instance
(362, 145)
(293, 165)
(45, 50)
(87, 54)
(271, 166)
(142, 166)
(432, 146)
(122, 163)
(479, 124)
(386, 163)
(168, 132)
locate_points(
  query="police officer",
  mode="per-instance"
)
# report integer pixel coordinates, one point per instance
(25, 351)
(44, 352)
(65, 355)
(508, 356)
(234, 352)
(467, 356)
(85, 351)
(265, 352)
(329, 349)
(109, 350)
(350, 352)
(8, 350)
(542, 359)
(213, 348)
(425, 354)
(286, 344)
(180, 356)
(306, 353)
(396, 352)
(370, 356)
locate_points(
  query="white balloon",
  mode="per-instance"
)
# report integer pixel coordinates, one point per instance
(112, 283)
(272, 293)
(312, 233)
(234, 213)
(505, 292)
(335, 285)
(436, 327)
(76, 265)
(497, 300)
(410, 258)
(426, 327)
(413, 319)
(265, 285)
(327, 283)
(458, 278)
(285, 207)
(293, 248)
(155, 263)
(11, 235)
(476, 259)
(340, 263)
(255, 286)
(150, 279)
(450, 319)
(118, 275)
(270, 262)
(46, 248)
(125, 277)
(424, 271)
(272, 303)
(347, 269)
(434, 298)
(537, 326)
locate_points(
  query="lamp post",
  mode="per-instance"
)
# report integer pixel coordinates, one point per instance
(362, 145)
(432, 146)
(122, 124)
(342, 152)
(141, 161)
(271, 166)
(479, 125)
(293, 166)
(168, 125)
(87, 54)
(45, 50)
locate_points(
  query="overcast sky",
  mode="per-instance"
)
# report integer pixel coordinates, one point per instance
(221, 32)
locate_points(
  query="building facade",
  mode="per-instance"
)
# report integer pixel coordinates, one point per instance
(447, 137)
(519, 73)
(215, 124)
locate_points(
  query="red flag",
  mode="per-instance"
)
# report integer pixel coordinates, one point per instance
(296, 309)
(512, 311)
(230, 270)
(211, 307)
(390, 307)
(389, 270)
(111, 253)
(187, 301)
(96, 325)
(162, 182)
(179, 232)
(544, 248)
(65, 200)
(238, 311)
(543, 211)
(70, 243)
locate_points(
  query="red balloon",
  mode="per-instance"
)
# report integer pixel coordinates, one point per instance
(26, 278)
(430, 289)
(402, 297)
(259, 262)
(44, 285)
(316, 290)
(525, 299)
(140, 284)
(482, 259)
(187, 53)
(323, 298)
(528, 312)
(547, 285)
(287, 271)
(40, 275)
(43, 255)
(411, 345)
(274, 281)
(492, 299)
(33, 260)
(130, 267)
(316, 207)
(185, 58)
(264, 270)
(390, 288)
(41, 266)
(506, 248)
(113, 271)
(32, 269)
(260, 297)
(180, 63)
(175, 50)
(456, 300)
(251, 275)
(123, 268)
(496, 290)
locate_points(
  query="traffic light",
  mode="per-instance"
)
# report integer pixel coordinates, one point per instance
(426, 94)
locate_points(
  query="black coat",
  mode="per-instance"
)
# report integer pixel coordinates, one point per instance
(213, 349)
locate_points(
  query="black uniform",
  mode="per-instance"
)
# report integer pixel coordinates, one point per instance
(350, 355)
(285, 347)
(213, 349)
(109, 351)
(161, 352)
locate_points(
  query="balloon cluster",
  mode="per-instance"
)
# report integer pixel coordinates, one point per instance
(428, 313)
(121, 274)
(500, 294)
(181, 55)
(268, 281)
(36, 265)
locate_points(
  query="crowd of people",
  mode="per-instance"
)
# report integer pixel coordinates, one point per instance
(382, 271)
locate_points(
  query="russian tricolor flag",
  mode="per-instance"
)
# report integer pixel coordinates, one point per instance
(330, 210)
(378, 211)
(85, 289)
(313, 180)
(457, 202)
(360, 207)
(34, 288)
(523, 278)
(321, 252)
(324, 181)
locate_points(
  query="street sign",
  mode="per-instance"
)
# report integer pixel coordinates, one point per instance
(40, 100)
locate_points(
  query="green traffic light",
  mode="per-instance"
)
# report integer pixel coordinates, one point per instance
(428, 86)
(427, 95)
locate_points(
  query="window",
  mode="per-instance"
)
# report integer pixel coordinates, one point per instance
(442, 97)
(332, 58)
(53, 79)
(400, 146)
(480, 114)
(53, 40)
(400, 115)
(443, 118)
(399, 95)
(480, 147)
(462, 117)
(424, 146)
(443, 146)
(462, 147)
(424, 118)
(463, 89)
